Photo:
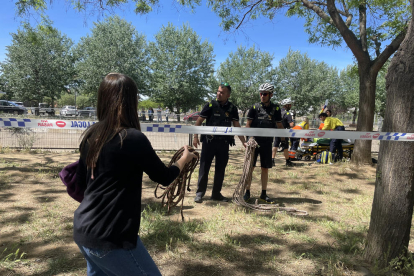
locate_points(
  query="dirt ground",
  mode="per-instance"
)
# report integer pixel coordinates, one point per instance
(215, 239)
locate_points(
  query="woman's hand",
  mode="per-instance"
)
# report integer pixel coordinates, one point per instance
(185, 158)
(187, 155)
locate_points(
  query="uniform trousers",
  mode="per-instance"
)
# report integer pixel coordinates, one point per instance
(218, 148)
(295, 143)
(336, 144)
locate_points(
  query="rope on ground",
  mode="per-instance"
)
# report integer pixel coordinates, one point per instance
(174, 193)
(246, 178)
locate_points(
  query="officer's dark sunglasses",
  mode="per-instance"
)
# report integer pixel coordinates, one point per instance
(264, 94)
(225, 84)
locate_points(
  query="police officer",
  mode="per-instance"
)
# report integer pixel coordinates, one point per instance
(219, 112)
(264, 115)
(287, 122)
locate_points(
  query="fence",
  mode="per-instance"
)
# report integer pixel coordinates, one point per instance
(55, 139)
(44, 138)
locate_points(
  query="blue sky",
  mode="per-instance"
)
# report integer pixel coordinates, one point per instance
(275, 37)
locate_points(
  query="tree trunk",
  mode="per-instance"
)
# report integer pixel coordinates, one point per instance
(178, 113)
(392, 209)
(367, 86)
(355, 115)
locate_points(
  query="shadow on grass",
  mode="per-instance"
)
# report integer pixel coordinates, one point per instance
(352, 191)
(238, 255)
(296, 200)
(5, 197)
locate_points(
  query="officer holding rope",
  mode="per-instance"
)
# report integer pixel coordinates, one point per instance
(264, 115)
(221, 113)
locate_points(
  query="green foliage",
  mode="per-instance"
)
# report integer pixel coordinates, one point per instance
(381, 91)
(25, 6)
(38, 64)
(147, 104)
(113, 46)
(389, 17)
(245, 69)
(66, 99)
(403, 264)
(348, 94)
(308, 82)
(82, 101)
(181, 67)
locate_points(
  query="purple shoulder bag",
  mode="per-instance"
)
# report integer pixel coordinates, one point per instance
(68, 177)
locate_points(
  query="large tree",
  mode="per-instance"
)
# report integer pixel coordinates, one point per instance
(113, 46)
(362, 25)
(38, 64)
(308, 82)
(392, 209)
(348, 96)
(245, 69)
(181, 66)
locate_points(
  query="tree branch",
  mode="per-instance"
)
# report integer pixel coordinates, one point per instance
(251, 8)
(344, 13)
(350, 39)
(377, 44)
(388, 51)
(363, 26)
(347, 14)
(318, 11)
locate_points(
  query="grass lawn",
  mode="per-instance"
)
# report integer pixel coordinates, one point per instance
(215, 238)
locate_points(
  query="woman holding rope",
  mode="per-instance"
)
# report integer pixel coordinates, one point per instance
(114, 154)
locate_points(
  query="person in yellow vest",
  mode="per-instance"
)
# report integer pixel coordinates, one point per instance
(331, 123)
(329, 113)
(295, 141)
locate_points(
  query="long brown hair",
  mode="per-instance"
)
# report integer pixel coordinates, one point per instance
(117, 110)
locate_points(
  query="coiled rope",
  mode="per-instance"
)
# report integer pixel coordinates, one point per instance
(174, 193)
(246, 178)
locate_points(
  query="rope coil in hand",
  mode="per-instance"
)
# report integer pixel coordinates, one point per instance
(174, 193)
(246, 178)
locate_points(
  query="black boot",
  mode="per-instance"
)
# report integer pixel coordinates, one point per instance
(289, 163)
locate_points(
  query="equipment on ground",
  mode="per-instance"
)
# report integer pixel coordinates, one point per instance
(247, 178)
(312, 150)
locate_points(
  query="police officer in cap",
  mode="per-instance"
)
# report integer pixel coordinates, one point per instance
(221, 113)
(264, 115)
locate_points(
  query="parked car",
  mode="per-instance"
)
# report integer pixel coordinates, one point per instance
(11, 107)
(19, 103)
(192, 117)
(68, 110)
(44, 109)
(87, 112)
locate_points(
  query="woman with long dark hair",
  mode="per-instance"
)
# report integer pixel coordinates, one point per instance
(114, 156)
